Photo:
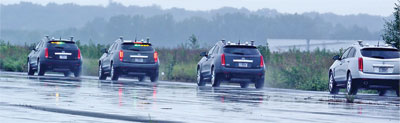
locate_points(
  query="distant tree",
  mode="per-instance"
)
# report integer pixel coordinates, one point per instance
(392, 28)
(194, 43)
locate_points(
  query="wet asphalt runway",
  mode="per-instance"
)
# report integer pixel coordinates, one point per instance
(54, 98)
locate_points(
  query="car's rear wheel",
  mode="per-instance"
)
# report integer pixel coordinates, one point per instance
(259, 83)
(215, 81)
(382, 92)
(30, 70)
(141, 78)
(244, 84)
(77, 73)
(114, 73)
(200, 78)
(101, 73)
(352, 87)
(66, 74)
(40, 68)
(154, 77)
(333, 88)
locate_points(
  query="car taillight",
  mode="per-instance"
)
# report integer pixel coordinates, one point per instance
(121, 55)
(46, 52)
(261, 61)
(360, 64)
(223, 59)
(155, 56)
(79, 54)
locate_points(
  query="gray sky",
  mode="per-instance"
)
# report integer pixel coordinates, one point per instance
(342, 7)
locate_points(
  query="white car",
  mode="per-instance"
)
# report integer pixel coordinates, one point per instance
(366, 66)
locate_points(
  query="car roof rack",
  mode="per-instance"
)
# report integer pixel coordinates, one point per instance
(229, 43)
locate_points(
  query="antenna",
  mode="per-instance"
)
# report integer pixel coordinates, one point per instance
(360, 42)
(148, 40)
(223, 41)
(378, 43)
(72, 38)
(60, 37)
(121, 37)
(47, 37)
(252, 42)
(239, 42)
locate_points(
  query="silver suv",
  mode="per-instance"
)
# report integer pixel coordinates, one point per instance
(365, 66)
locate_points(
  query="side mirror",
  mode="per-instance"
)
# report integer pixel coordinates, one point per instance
(104, 50)
(204, 54)
(337, 57)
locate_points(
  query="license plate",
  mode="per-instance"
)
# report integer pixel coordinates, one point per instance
(242, 65)
(383, 69)
(138, 60)
(63, 57)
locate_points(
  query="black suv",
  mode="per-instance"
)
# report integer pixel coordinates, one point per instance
(56, 55)
(232, 62)
(130, 58)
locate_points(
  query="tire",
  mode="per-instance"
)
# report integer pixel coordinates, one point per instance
(77, 73)
(351, 87)
(333, 88)
(154, 77)
(66, 74)
(40, 68)
(101, 73)
(215, 81)
(259, 83)
(141, 78)
(200, 78)
(30, 70)
(382, 92)
(113, 73)
(244, 84)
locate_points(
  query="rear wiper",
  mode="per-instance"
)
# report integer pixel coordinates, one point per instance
(134, 49)
(379, 57)
(239, 53)
(59, 47)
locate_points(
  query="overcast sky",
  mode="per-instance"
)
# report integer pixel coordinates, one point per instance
(342, 7)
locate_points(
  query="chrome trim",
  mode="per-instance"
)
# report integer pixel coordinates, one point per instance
(68, 54)
(242, 60)
(137, 56)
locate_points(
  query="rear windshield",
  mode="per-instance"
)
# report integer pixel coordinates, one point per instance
(137, 47)
(381, 53)
(62, 45)
(241, 50)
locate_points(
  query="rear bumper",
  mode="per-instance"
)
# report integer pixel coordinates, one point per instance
(363, 75)
(135, 69)
(61, 65)
(377, 83)
(238, 73)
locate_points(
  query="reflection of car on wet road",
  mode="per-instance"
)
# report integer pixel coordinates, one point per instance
(366, 66)
(129, 58)
(56, 55)
(231, 62)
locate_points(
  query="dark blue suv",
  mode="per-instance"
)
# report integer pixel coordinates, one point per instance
(231, 62)
(129, 58)
(55, 55)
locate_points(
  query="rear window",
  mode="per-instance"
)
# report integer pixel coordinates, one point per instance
(137, 47)
(241, 50)
(381, 53)
(62, 45)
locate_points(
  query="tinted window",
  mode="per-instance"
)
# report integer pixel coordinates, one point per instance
(241, 50)
(381, 53)
(136, 47)
(62, 45)
(344, 56)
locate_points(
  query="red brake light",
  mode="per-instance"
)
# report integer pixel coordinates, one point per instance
(155, 56)
(121, 55)
(79, 54)
(46, 52)
(261, 61)
(360, 64)
(223, 59)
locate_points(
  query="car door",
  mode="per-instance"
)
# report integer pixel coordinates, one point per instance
(107, 59)
(36, 53)
(207, 63)
(341, 70)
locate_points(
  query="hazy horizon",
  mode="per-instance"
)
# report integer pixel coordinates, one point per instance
(340, 7)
